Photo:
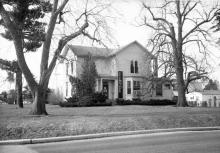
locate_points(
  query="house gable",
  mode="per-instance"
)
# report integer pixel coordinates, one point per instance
(134, 52)
(134, 43)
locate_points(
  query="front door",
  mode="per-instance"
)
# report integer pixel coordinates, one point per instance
(105, 88)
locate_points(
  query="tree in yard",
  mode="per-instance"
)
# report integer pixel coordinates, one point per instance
(89, 18)
(86, 83)
(89, 75)
(13, 68)
(177, 25)
(33, 34)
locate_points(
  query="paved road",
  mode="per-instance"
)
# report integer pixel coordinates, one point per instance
(179, 142)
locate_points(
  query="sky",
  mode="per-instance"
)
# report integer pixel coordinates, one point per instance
(124, 29)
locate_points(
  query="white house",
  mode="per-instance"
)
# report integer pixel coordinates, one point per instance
(123, 73)
(211, 98)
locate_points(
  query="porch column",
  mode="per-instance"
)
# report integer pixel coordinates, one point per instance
(97, 85)
(116, 89)
(101, 84)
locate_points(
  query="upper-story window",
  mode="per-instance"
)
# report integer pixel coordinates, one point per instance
(134, 66)
(71, 66)
(67, 68)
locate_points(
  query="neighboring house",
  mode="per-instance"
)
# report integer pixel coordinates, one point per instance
(123, 73)
(210, 98)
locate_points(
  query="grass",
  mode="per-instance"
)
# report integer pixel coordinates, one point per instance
(16, 124)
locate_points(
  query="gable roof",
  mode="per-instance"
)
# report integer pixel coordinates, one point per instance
(132, 43)
(83, 51)
(94, 51)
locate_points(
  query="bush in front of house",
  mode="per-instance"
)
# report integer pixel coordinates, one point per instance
(204, 104)
(85, 100)
(95, 99)
(120, 101)
(192, 103)
(152, 102)
(70, 102)
(155, 102)
(99, 97)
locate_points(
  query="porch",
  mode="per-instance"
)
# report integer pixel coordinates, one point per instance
(107, 85)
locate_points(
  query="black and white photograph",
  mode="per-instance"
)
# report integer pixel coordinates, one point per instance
(109, 76)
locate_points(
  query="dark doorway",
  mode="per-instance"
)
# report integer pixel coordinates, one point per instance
(105, 87)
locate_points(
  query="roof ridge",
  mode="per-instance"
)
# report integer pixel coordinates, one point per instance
(102, 52)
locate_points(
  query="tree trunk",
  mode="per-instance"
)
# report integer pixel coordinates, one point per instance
(38, 107)
(181, 87)
(18, 89)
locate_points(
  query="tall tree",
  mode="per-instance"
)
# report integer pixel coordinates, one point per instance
(179, 23)
(38, 89)
(89, 75)
(25, 14)
(85, 84)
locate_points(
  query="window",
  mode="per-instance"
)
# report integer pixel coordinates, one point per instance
(66, 89)
(67, 67)
(136, 85)
(128, 87)
(159, 90)
(132, 67)
(136, 67)
(167, 86)
(136, 89)
(71, 65)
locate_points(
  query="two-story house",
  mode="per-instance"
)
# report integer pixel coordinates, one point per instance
(122, 73)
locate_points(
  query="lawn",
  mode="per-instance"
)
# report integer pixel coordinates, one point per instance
(17, 124)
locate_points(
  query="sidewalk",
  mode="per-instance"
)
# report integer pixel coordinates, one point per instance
(102, 135)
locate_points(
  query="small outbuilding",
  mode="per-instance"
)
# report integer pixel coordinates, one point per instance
(209, 98)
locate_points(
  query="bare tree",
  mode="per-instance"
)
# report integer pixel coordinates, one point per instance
(178, 24)
(83, 21)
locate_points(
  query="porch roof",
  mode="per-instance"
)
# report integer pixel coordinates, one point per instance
(109, 77)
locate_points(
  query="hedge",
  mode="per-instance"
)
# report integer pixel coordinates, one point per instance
(153, 102)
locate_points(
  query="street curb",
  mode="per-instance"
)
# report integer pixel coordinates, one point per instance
(102, 135)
